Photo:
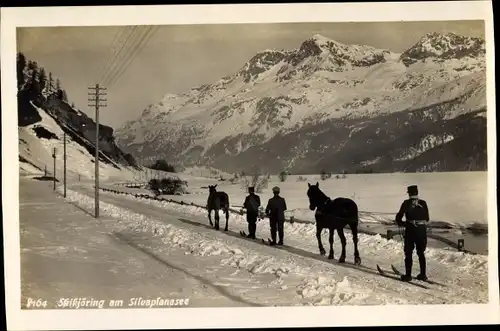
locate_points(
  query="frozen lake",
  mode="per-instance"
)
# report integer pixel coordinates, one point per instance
(458, 198)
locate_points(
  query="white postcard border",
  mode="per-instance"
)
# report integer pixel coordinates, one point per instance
(231, 317)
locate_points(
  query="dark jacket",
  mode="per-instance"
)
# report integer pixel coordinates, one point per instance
(252, 203)
(276, 208)
(419, 212)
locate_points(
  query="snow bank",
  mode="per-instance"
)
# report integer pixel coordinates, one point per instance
(321, 290)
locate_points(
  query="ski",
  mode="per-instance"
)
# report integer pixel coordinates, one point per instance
(397, 272)
(269, 242)
(243, 234)
(384, 274)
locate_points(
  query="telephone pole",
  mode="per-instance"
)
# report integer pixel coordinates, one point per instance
(96, 92)
(64, 145)
(54, 157)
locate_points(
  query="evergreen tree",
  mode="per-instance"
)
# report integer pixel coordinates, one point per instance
(51, 83)
(64, 95)
(21, 64)
(34, 85)
(58, 84)
(32, 65)
(42, 79)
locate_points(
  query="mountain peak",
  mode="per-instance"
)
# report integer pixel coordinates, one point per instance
(320, 43)
(443, 46)
(319, 38)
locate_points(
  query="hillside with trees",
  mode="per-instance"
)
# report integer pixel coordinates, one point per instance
(37, 88)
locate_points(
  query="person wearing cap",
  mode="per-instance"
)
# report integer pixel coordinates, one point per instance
(252, 205)
(416, 212)
(275, 209)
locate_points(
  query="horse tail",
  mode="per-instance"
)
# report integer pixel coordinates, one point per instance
(226, 201)
(355, 212)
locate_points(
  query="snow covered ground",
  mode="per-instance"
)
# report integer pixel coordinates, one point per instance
(299, 274)
(150, 249)
(66, 253)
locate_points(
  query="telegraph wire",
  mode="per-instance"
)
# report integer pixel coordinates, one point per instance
(135, 52)
(128, 39)
(117, 40)
(131, 39)
(132, 42)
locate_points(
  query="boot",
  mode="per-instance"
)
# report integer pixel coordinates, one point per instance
(273, 237)
(281, 235)
(408, 265)
(253, 226)
(406, 278)
(422, 276)
(421, 262)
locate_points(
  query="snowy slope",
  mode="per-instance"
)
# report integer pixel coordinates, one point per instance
(277, 93)
(36, 152)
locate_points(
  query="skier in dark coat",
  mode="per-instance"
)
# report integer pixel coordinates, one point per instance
(276, 211)
(416, 213)
(252, 205)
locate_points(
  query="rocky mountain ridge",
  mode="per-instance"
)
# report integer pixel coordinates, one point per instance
(329, 106)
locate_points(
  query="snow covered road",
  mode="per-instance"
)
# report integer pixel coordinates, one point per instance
(298, 276)
(66, 253)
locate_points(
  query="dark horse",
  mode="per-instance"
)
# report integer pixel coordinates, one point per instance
(334, 215)
(217, 200)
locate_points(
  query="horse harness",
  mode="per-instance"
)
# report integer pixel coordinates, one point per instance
(328, 199)
(324, 205)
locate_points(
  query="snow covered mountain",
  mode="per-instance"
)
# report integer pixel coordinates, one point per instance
(329, 106)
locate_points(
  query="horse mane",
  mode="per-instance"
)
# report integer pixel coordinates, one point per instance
(320, 193)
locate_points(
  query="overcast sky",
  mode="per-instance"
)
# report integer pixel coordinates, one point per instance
(177, 58)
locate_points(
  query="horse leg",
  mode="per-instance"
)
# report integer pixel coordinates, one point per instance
(217, 219)
(354, 229)
(227, 218)
(210, 217)
(343, 241)
(331, 231)
(318, 236)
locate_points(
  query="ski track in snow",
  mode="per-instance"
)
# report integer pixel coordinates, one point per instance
(322, 282)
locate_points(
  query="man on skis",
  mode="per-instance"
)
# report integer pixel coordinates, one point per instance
(275, 209)
(416, 213)
(252, 205)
